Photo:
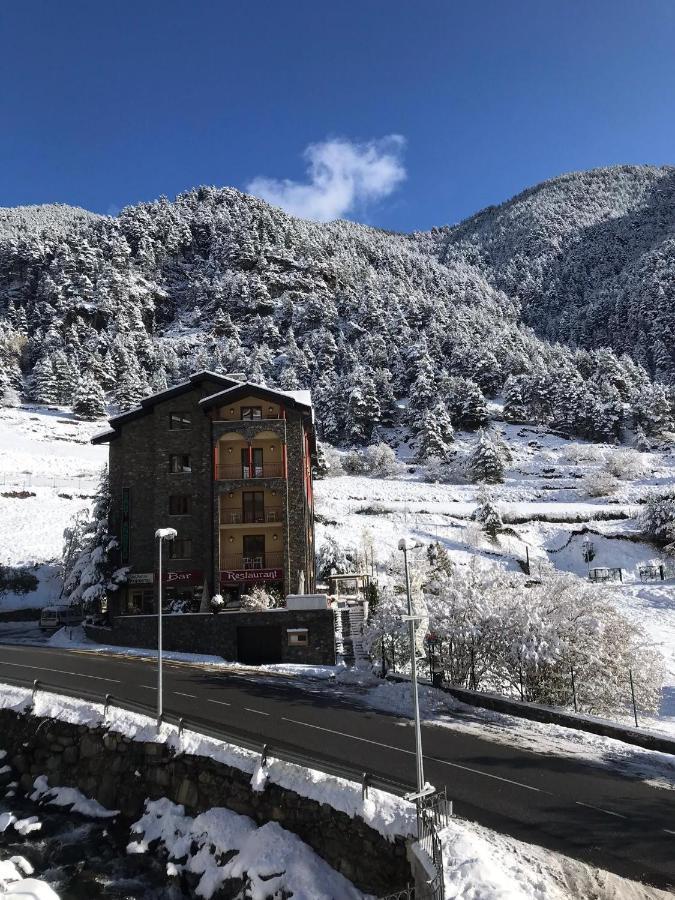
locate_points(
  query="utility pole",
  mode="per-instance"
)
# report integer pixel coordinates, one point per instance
(162, 534)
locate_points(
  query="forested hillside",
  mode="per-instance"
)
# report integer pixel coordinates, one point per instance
(96, 309)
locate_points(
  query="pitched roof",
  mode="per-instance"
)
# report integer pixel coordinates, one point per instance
(147, 403)
(300, 400)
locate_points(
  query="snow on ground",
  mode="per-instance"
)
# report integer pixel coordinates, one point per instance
(46, 455)
(275, 860)
(479, 864)
(68, 796)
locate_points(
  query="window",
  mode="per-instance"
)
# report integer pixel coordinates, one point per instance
(179, 462)
(139, 602)
(180, 421)
(180, 504)
(253, 506)
(180, 548)
(297, 637)
(251, 412)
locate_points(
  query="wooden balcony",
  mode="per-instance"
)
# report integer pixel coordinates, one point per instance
(249, 473)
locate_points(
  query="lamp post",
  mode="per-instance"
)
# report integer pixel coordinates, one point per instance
(406, 544)
(162, 534)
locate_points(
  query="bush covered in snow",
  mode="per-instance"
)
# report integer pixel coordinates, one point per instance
(600, 484)
(625, 464)
(259, 598)
(496, 631)
(658, 520)
(377, 459)
(333, 557)
(16, 581)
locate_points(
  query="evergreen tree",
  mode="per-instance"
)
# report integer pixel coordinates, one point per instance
(89, 400)
(515, 399)
(92, 574)
(435, 434)
(485, 463)
(44, 388)
(129, 391)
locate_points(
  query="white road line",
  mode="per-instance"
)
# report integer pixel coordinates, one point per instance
(443, 762)
(259, 711)
(219, 702)
(147, 687)
(608, 812)
(181, 694)
(60, 672)
(668, 831)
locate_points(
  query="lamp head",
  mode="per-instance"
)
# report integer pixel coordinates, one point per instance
(407, 544)
(168, 534)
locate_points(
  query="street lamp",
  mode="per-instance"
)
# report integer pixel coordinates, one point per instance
(162, 534)
(406, 544)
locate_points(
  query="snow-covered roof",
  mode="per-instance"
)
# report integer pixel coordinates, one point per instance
(297, 398)
(304, 397)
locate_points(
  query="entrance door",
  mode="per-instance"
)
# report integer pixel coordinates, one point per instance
(257, 644)
(254, 551)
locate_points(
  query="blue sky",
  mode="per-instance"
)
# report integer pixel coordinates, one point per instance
(416, 113)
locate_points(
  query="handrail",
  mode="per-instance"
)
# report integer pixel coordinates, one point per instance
(239, 737)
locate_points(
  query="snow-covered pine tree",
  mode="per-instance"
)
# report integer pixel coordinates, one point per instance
(515, 399)
(89, 400)
(485, 463)
(487, 515)
(466, 403)
(130, 390)
(43, 386)
(652, 410)
(92, 574)
(435, 434)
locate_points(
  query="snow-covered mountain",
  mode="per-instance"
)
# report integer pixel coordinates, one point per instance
(365, 318)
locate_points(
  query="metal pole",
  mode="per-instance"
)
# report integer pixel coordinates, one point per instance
(574, 689)
(632, 693)
(159, 641)
(413, 664)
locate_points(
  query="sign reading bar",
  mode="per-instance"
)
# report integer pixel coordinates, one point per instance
(140, 578)
(246, 575)
(185, 578)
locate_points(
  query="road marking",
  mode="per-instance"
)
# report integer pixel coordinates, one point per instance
(607, 812)
(259, 711)
(181, 694)
(668, 831)
(443, 762)
(219, 702)
(147, 687)
(61, 672)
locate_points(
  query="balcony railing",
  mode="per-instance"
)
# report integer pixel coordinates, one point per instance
(272, 560)
(233, 473)
(237, 517)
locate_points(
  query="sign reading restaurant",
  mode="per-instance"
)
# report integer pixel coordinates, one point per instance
(246, 575)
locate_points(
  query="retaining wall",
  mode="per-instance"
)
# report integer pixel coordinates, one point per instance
(121, 773)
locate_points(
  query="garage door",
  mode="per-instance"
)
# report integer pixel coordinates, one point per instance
(258, 644)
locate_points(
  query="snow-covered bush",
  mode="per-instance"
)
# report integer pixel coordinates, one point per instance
(217, 603)
(16, 581)
(447, 471)
(625, 464)
(377, 459)
(600, 484)
(495, 630)
(658, 520)
(576, 453)
(332, 462)
(259, 598)
(333, 557)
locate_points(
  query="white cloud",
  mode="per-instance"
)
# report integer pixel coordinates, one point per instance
(341, 175)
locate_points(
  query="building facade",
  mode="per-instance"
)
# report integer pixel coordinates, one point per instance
(226, 463)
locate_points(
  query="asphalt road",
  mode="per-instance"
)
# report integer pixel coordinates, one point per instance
(575, 807)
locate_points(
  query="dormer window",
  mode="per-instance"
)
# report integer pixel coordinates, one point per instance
(251, 412)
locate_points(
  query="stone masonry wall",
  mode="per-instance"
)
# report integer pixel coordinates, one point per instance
(217, 634)
(121, 773)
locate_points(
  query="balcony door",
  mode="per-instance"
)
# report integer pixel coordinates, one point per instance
(253, 506)
(254, 551)
(255, 457)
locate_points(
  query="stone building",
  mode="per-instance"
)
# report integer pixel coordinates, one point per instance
(226, 463)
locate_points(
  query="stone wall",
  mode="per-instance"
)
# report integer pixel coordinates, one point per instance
(217, 634)
(121, 773)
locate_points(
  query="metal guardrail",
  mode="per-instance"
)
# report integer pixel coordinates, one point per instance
(238, 737)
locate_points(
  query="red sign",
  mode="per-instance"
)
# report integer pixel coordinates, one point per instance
(246, 575)
(184, 578)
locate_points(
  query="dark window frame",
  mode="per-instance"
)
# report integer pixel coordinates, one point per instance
(182, 545)
(187, 504)
(183, 470)
(251, 409)
(180, 421)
